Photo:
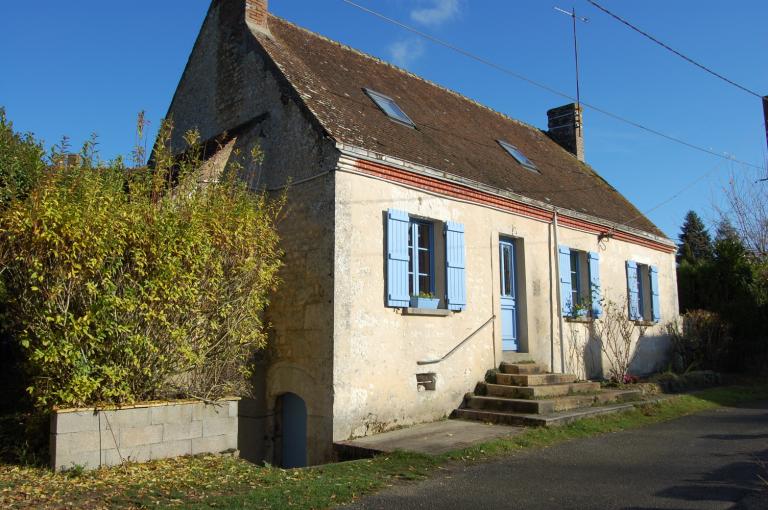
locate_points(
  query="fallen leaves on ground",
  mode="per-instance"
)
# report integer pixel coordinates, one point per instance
(161, 483)
(210, 481)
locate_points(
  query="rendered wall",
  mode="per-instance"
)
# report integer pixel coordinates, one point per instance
(93, 438)
(583, 355)
(376, 348)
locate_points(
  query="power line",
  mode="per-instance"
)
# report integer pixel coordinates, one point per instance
(668, 48)
(540, 85)
(677, 194)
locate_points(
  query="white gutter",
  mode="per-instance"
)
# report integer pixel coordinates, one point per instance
(558, 290)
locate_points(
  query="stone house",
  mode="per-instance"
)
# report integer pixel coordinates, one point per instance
(427, 237)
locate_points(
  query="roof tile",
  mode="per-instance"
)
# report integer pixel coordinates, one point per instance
(453, 134)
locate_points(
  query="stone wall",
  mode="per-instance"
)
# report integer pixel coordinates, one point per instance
(230, 86)
(93, 438)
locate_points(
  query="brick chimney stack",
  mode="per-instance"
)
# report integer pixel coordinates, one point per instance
(565, 128)
(257, 15)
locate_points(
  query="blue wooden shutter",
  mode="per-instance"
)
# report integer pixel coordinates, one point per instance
(594, 284)
(397, 258)
(566, 287)
(655, 306)
(455, 267)
(633, 290)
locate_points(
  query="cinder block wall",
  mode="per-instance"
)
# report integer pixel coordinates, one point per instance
(92, 437)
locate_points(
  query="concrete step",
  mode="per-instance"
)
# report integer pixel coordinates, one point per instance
(515, 357)
(538, 420)
(522, 368)
(534, 379)
(509, 405)
(550, 390)
(549, 405)
(496, 417)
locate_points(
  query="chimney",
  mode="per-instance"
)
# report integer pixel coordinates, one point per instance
(257, 16)
(565, 128)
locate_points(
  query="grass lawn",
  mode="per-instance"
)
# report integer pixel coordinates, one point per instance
(225, 482)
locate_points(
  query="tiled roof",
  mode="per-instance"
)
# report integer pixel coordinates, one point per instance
(454, 134)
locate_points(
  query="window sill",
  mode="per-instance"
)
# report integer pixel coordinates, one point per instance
(645, 323)
(438, 312)
(583, 320)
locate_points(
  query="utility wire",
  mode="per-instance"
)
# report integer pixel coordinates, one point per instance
(540, 85)
(679, 192)
(668, 48)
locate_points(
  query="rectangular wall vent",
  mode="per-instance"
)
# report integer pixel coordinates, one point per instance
(426, 382)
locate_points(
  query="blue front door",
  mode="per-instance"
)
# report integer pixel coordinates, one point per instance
(508, 295)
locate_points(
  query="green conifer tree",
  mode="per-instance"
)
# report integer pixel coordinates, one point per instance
(695, 243)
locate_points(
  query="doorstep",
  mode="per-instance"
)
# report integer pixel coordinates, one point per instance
(429, 438)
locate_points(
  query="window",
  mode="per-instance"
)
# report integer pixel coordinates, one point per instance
(507, 269)
(417, 264)
(643, 292)
(390, 107)
(518, 155)
(577, 280)
(421, 256)
(579, 283)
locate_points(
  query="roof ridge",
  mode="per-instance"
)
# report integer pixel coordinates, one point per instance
(406, 72)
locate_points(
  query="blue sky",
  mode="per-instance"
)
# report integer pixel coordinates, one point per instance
(74, 68)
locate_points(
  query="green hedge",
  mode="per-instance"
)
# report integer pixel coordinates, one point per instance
(127, 285)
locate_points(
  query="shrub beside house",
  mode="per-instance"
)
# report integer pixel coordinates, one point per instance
(133, 285)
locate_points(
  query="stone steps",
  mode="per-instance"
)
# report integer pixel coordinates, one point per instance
(522, 368)
(549, 390)
(538, 420)
(524, 394)
(547, 406)
(508, 405)
(534, 379)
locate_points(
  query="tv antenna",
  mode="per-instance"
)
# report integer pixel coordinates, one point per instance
(575, 17)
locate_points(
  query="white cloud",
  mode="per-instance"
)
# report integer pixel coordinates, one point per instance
(438, 13)
(406, 51)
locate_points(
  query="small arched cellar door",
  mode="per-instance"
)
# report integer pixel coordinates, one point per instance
(293, 418)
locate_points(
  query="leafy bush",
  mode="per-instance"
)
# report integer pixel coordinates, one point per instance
(137, 284)
(671, 382)
(21, 161)
(702, 342)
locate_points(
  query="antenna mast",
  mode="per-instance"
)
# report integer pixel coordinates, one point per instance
(574, 17)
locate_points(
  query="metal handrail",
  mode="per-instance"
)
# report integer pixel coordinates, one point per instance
(433, 361)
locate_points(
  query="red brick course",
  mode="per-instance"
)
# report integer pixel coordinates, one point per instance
(479, 197)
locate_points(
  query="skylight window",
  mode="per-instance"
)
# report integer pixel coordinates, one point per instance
(519, 156)
(390, 107)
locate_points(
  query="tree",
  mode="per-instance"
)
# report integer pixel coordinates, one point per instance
(694, 252)
(726, 232)
(746, 197)
(695, 243)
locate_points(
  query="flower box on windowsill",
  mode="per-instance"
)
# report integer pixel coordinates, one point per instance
(424, 302)
(579, 318)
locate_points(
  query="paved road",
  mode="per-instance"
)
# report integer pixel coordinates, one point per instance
(705, 461)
